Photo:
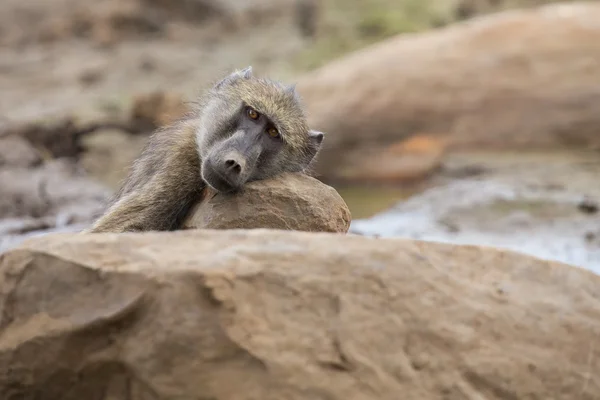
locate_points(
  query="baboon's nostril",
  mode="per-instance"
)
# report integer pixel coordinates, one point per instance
(233, 166)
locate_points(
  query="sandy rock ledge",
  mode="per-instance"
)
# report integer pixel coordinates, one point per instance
(288, 201)
(265, 314)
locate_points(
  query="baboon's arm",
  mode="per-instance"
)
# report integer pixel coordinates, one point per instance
(163, 185)
(155, 206)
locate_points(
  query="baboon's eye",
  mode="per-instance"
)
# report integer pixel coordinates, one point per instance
(273, 132)
(252, 113)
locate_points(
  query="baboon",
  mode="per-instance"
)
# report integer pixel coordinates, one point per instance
(242, 129)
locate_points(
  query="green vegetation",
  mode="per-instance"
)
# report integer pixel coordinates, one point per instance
(348, 25)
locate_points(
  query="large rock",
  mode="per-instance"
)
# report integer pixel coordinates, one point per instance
(291, 315)
(516, 79)
(288, 201)
(406, 161)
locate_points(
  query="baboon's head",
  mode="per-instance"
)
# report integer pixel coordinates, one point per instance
(251, 129)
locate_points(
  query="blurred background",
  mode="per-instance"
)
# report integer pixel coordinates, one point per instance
(466, 121)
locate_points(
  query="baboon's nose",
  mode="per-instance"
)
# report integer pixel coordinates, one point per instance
(233, 167)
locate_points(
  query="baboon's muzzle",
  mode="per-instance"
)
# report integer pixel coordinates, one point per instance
(229, 166)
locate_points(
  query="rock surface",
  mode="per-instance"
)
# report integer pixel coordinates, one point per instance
(500, 81)
(406, 161)
(289, 201)
(544, 204)
(291, 315)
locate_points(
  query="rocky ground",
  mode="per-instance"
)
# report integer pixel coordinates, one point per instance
(487, 130)
(266, 314)
(85, 82)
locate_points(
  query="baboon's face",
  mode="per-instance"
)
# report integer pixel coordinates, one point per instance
(253, 129)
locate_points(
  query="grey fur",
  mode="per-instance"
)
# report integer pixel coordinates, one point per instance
(218, 144)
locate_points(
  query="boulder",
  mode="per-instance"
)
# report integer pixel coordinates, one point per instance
(516, 79)
(407, 161)
(288, 201)
(267, 314)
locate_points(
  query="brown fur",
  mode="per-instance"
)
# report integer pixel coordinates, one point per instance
(166, 180)
(166, 174)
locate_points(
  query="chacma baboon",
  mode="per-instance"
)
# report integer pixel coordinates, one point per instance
(243, 129)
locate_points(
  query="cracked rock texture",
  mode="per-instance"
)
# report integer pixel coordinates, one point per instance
(288, 201)
(266, 314)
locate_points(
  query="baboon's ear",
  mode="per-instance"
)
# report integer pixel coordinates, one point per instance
(245, 73)
(315, 139)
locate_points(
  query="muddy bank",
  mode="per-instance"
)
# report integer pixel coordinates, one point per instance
(545, 205)
(55, 196)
